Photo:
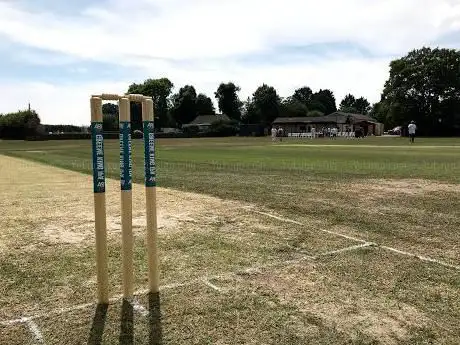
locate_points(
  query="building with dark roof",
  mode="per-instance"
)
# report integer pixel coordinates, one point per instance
(343, 121)
(204, 121)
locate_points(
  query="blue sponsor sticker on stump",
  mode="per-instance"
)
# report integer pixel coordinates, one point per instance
(125, 156)
(149, 153)
(97, 138)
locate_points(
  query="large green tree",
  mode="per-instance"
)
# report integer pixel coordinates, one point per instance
(351, 104)
(303, 95)
(266, 103)
(110, 109)
(110, 117)
(184, 108)
(423, 86)
(160, 90)
(293, 107)
(249, 114)
(324, 101)
(379, 111)
(362, 105)
(228, 100)
(347, 104)
(204, 105)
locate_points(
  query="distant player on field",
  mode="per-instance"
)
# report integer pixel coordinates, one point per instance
(274, 133)
(280, 133)
(412, 128)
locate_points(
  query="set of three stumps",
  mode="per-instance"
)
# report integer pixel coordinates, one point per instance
(99, 186)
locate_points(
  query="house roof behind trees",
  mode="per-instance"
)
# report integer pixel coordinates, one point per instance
(207, 120)
(303, 119)
(336, 117)
(355, 117)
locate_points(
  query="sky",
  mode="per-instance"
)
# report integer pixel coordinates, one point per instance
(55, 54)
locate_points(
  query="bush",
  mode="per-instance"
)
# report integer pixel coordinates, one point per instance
(315, 113)
(19, 125)
(62, 129)
(224, 128)
(69, 136)
(255, 130)
(36, 138)
(191, 130)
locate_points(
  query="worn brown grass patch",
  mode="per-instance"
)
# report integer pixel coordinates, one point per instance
(415, 215)
(55, 206)
(365, 291)
(48, 230)
(384, 187)
(18, 334)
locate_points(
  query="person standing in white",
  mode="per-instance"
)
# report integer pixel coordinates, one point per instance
(274, 132)
(334, 132)
(412, 128)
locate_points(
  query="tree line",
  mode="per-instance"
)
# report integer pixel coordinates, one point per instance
(423, 86)
(265, 105)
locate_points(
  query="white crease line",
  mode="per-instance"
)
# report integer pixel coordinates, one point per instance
(254, 269)
(276, 217)
(347, 249)
(33, 327)
(52, 312)
(249, 270)
(140, 309)
(12, 322)
(87, 305)
(420, 257)
(164, 287)
(344, 236)
(258, 269)
(299, 223)
(211, 285)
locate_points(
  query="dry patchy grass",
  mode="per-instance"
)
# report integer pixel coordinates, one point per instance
(368, 296)
(49, 233)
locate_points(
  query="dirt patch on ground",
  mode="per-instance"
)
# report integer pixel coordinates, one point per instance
(376, 188)
(55, 206)
(56, 235)
(337, 305)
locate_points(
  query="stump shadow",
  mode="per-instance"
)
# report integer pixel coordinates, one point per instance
(155, 328)
(126, 336)
(98, 325)
(127, 323)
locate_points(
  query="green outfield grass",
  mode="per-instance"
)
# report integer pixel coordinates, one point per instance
(335, 159)
(382, 190)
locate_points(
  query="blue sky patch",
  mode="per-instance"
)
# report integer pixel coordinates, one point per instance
(20, 62)
(314, 52)
(71, 8)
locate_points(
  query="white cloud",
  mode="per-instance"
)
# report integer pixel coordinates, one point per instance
(55, 104)
(204, 28)
(129, 33)
(69, 103)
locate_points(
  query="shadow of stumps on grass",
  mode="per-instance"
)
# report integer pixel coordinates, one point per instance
(127, 323)
(155, 334)
(97, 328)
